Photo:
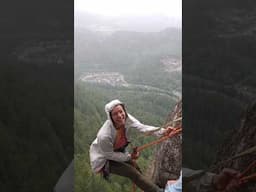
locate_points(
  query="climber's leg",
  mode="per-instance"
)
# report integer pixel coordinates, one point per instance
(126, 170)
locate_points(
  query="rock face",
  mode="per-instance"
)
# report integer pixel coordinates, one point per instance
(168, 156)
(239, 141)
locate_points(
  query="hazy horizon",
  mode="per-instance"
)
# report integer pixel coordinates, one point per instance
(139, 16)
(153, 23)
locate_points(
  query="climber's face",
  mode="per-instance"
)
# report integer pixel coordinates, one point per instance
(118, 116)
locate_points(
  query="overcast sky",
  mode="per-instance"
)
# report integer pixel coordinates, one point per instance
(171, 8)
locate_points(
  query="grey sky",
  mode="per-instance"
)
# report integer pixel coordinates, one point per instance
(170, 8)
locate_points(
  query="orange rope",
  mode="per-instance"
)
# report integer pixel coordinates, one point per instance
(245, 179)
(173, 132)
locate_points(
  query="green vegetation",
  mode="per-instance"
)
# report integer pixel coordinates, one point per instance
(136, 56)
(149, 108)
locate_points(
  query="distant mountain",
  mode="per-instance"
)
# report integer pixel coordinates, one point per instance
(142, 57)
(97, 48)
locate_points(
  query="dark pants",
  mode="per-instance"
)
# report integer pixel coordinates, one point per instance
(125, 169)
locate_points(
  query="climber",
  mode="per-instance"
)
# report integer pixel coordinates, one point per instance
(108, 151)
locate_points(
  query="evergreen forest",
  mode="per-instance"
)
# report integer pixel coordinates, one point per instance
(147, 88)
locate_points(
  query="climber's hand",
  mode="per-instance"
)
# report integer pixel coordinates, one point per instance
(168, 130)
(171, 182)
(227, 180)
(135, 155)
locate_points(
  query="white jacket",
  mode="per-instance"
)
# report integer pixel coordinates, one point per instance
(102, 149)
